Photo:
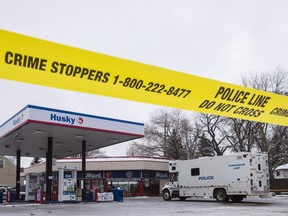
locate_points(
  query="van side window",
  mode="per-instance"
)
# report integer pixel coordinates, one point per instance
(195, 171)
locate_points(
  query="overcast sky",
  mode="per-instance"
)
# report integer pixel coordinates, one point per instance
(218, 39)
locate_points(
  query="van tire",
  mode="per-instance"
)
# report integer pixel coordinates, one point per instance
(221, 195)
(166, 195)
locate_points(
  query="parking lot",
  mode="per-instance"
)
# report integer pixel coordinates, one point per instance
(141, 206)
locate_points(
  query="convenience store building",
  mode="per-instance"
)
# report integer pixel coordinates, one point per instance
(137, 176)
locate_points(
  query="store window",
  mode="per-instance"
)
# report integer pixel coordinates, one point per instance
(134, 188)
(130, 188)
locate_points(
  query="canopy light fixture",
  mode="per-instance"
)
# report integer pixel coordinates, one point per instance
(38, 132)
(15, 135)
(20, 140)
(113, 140)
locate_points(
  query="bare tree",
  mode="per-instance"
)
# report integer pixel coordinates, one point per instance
(143, 149)
(269, 138)
(168, 134)
(191, 139)
(213, 135)
(275, 81)
(241, 134)
(93, 153)
(273, 140)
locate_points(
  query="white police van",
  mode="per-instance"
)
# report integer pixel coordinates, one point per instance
(231, 177)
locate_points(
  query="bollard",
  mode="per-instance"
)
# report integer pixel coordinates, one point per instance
(9, 197)
(96, 194)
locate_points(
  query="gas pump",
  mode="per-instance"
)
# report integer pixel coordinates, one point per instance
(67, 184)
(34, 181)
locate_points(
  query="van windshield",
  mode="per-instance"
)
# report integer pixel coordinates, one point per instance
(173, 177)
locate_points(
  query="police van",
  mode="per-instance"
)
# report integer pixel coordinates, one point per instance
(230, 177)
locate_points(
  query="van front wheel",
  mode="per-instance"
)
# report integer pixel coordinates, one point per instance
(166, 195)
(221, 195)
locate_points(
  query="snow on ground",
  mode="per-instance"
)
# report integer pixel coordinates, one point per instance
(156, 206)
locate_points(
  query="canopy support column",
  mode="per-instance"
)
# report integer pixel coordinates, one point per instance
(49, 161)
(83, 167)
(18, 170)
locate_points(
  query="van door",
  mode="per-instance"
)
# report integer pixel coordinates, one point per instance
(259, 174)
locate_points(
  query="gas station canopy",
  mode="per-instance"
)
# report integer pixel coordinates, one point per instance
(27, 131)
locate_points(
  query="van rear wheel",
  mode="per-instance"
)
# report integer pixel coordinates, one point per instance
(166, 195)
(221, 195)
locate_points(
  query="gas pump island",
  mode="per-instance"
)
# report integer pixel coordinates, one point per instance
(51, 133)
(65, 185)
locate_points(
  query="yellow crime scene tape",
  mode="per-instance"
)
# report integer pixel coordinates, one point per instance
(40, 62)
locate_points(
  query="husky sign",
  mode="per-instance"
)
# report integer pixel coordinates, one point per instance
(40, 62)
(64, 119)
